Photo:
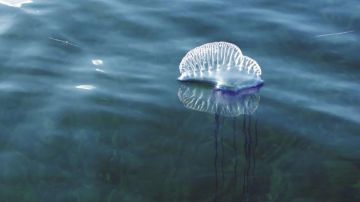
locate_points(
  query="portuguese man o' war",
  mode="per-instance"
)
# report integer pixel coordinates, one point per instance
(222, 64)
(236, 97)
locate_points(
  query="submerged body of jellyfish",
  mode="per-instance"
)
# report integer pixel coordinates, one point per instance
(239, 108)
(221, 64)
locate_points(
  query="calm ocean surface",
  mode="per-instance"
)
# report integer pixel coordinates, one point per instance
(90, 108)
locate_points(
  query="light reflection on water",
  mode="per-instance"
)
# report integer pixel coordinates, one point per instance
(85, 87)
(15, 3)
(97, 62)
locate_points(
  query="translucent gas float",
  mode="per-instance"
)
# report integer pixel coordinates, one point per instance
(221, 64)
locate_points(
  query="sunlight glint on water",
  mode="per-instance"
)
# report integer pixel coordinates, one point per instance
(15, 3)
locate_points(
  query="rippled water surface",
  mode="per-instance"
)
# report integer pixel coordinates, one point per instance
(90, 108)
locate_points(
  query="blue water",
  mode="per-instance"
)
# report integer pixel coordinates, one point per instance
(89, 105)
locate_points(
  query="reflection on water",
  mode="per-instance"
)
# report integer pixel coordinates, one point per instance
(85, 87)
(15, 3)
(97, 62)
(224, 103)
(99, 70)
(238, 109)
